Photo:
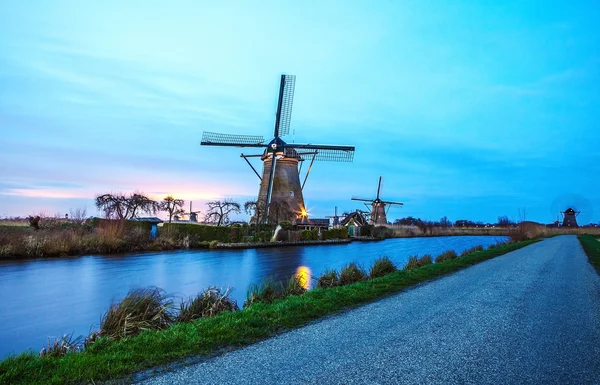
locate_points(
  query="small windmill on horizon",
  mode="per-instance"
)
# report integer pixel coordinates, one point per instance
(378, 207)
(280, 180)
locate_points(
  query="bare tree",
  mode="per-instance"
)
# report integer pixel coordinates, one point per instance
(522, 214)
(120, 206)
(78, 215)
(218, 211)
(280, 211)
(172, 206)
(255, 210)
(445, 222)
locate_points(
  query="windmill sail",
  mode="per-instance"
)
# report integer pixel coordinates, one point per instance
(217, 139)
(284, 105)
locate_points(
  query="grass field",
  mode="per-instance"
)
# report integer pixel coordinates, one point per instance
(106, 359)
(592, 248)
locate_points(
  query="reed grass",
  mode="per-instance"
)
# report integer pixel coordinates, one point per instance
(352, 273)
(331, 278)
(209, 303)
(382, 266)
(140, 310)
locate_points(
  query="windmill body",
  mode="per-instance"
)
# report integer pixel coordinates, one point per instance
(570, 218)
(282, 162)
(286, 181)
(378, 207)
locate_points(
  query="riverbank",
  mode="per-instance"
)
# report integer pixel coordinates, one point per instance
(106, 359)
(591, 246)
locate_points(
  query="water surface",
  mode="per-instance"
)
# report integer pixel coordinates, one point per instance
(43, 299)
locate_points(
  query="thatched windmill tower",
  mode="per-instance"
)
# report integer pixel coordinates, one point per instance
(570, 217)
(378, 207)
(280, 186)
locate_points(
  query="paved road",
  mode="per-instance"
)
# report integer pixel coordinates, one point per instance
(529, 317)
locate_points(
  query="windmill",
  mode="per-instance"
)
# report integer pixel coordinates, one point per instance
(336, 218)
(193, 215)
(570, 217)
(280, 180)
(570, 206)
(378, 210)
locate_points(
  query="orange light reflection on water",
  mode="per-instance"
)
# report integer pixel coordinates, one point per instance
(303, 275)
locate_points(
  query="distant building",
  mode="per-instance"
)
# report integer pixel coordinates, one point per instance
(353, 222)
(312, 223)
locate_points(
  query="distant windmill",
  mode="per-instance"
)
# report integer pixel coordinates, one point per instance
(570, 206)
(280, 181)
(378, 210)
(336, 218)
(570, 217)
(193, 215)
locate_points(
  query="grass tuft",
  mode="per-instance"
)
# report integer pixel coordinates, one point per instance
(267, 291)
(209, 303)
(295, 286)
(331, 278)
(61, 346)
(472, 250)
(412, 263)
(425, 260)
(445, 256)
(141, 309)
(382, 266)
(352, 273)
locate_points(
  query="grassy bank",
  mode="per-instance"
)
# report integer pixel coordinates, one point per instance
(591, 245)
(108, 359)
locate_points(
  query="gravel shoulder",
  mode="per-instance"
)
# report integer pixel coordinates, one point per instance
(530, 316)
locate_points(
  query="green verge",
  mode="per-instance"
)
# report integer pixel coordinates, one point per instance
(591, 246)
(106, 359)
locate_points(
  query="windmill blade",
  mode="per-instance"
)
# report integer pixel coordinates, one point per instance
(378, 187)
(284, 105)
(328, 153)
(393, 203)
(361, 199)
(217, 139)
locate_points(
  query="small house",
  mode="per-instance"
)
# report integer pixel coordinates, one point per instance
(353, 221)
(154, 221)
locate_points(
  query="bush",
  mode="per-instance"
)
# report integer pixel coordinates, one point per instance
(381, 267)
(339, 233)
(141, 309)
(352, 273)
(366, 230)
(309, 235)
(267, 291)
(381, 232)
(446, 255)
(425, 260)
(330, 278)
(412, 263)
(206, 304)
(213, 244)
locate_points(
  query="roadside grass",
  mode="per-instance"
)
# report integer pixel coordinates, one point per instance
(107, 359)
(591, 246)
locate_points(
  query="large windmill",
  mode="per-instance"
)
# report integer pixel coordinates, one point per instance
(378, 210)
(280, 180)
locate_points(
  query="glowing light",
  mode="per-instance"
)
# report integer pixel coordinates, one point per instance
(303, 213)
(303, 274)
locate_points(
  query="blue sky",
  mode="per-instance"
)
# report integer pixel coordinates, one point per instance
(467, 109)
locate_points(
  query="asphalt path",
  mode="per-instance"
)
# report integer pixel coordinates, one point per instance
(529, 317)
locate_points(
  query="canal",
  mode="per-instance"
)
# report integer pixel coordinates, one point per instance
(41, 299)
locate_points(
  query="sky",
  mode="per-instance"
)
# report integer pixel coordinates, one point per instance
(470, 110)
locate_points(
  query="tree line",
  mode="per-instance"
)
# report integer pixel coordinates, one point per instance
(503, 221)
(218, 212)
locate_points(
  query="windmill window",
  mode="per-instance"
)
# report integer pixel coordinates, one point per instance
(291, 193)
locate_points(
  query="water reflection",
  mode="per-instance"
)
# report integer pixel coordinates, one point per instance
(49, 298)
(303, 275)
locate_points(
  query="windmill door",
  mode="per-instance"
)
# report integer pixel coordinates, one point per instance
(351, 230)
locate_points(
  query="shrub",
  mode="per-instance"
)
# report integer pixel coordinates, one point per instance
(61, 346)
(309, 235)
(425, 260)
(352, 273)
(330, 278)
(213, 244)
(446, 255)
(141, 309)
(381, 267)
(295, 286)
(267, 291)
(412, 263)
(209, 303)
